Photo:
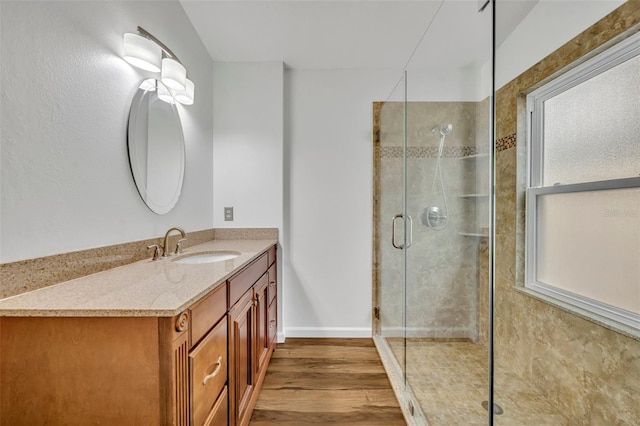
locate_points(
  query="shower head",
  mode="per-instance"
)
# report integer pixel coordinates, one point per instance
(445, 129)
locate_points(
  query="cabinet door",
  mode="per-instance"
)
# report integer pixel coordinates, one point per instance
(273, 283)
(241, 329)
(272, 313)
(262, 323)
(272, 331)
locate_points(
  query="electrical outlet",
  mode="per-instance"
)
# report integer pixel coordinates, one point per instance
(228, 214)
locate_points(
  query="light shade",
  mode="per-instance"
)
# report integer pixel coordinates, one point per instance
(185, 96)
(174, 74)
(149, 85)
(164, 94)
(141, 52)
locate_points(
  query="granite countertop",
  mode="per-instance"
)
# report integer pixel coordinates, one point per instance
(160, 288)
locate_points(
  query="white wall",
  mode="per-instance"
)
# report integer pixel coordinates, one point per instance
(247, 135)
(328, 200)
(66, 92)
(328, 167)
(248, 108)
(549, 25)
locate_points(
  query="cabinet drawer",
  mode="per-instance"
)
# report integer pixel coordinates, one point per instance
(208, 311)
(220, 413)
(241, 282)
(273, 284)
(271, 253)
(208, 372)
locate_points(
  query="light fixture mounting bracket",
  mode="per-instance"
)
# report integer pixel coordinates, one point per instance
(164, 48)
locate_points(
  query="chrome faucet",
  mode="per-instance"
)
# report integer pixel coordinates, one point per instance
(165, 248)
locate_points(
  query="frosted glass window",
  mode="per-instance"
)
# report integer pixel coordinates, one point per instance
(583, 195)
(592, 131)
(589, 245)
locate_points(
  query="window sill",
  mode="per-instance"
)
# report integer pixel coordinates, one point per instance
(607, 323)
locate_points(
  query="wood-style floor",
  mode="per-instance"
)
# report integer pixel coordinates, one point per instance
(326, 381)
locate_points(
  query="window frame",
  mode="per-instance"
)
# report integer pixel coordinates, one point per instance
(613, 56)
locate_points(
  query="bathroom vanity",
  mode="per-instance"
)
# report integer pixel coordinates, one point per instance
(151, 343)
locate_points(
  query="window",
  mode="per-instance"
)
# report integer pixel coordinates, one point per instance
(583, 191)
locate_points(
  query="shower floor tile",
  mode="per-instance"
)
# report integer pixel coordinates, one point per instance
(450, 381)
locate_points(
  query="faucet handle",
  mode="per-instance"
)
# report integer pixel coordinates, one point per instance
(156, 251)
(179, 246)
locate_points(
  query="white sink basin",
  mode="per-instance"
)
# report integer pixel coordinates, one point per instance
(206, 257)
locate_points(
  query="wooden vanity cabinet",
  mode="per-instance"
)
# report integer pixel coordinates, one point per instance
(94, 370)
(202, 367)
(251, 341)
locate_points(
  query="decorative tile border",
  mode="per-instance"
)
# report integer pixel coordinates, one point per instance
(425, 151)
(506, 142)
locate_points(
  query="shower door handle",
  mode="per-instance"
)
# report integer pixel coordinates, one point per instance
(393, 232)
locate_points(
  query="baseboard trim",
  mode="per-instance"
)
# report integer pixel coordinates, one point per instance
(342, 332)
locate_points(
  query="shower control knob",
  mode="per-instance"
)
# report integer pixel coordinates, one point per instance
(432, 217)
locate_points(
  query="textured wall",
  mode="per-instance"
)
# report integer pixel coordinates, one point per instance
(590, 372)
(66, 92)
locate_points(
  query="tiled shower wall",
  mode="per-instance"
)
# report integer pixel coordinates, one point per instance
(590, 372)
(442, 278)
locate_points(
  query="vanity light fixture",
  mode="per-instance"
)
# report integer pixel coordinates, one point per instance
(164, 94)
(185, 96)
(141, 52)
(144, 51)
(174, 75)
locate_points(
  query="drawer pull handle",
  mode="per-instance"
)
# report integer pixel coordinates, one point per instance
(272, 323)
(215, 371)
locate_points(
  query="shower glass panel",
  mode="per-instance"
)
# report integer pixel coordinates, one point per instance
(390, 142)
(432, 185)
(559, 363)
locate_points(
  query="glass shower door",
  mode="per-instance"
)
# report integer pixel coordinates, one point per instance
(447, 194)
(432, 212)
(389, 234)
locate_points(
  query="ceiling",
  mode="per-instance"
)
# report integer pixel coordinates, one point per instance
(352, 34)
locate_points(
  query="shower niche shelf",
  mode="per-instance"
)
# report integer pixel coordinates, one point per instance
(473, 234)
(475, 162)
(474, 157)
(473, 196)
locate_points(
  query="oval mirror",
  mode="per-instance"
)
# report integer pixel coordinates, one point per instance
(156, 146)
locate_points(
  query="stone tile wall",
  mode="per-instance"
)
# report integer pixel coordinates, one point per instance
(590, 372)
(443, 266)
